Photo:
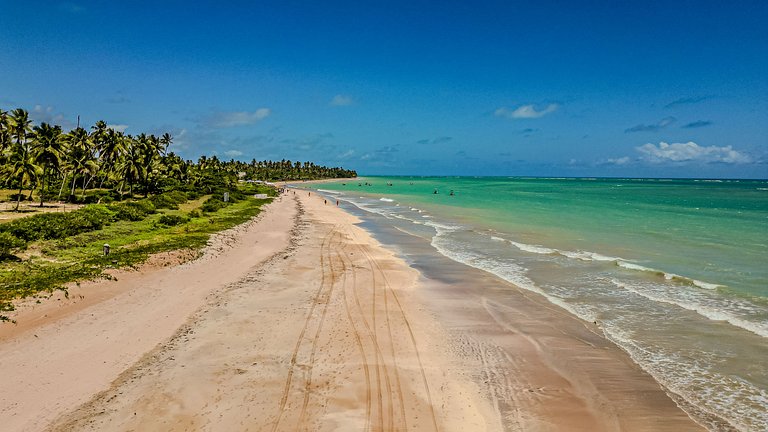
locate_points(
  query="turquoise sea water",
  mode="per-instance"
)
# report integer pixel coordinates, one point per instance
(675, 271)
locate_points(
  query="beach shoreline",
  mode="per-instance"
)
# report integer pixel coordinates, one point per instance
(327, 329)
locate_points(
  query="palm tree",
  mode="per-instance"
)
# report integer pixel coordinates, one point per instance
(80, 159)
(20, 126)
(47, 149)
(21, 164)
(130, 167)
(22, 168)
(5, 132)
(110, 152)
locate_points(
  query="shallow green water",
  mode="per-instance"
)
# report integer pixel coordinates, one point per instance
(712, 231)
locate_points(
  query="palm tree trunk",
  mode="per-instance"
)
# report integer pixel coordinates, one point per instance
(63, 182)
(42, 189)
(74, 178)
(18, 198)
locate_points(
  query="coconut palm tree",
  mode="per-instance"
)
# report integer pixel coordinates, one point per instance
(80, 158)
(21, 168)
(20, 165)
(110, 152)
(20, 126)
(5, 132)
(47, 151)
(130, 168)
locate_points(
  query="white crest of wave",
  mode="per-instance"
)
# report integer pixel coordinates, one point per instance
(330, 192)
(705, 311)
(533, 249)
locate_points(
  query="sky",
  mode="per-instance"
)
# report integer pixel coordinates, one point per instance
(544, 88)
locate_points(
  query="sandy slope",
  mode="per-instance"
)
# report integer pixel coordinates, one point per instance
(59, 357)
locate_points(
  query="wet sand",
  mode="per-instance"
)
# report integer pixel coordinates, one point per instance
(321, 328)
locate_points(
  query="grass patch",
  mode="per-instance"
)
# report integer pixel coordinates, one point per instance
(79, 257)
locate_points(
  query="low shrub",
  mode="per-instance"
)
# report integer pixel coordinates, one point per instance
(90, 218)
(59, 225)
(133, 210)
(193, 214)
(171, 220)
(169, 200)
(9, 244)
(213, 204)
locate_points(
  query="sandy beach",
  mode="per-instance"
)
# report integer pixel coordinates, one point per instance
(301, 320)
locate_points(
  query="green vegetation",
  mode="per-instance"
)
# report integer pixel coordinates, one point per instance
(75, 252)
(179, 203)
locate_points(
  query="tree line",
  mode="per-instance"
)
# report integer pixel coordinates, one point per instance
(46, 159)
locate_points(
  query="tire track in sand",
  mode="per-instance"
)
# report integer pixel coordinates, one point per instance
(380, 352)
(388, 287)
(324, 245)
(378, 355)
(358, 338)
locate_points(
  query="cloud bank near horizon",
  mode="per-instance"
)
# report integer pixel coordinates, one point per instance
(691, 152)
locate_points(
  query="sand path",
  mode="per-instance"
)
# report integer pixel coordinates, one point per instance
(59, 357)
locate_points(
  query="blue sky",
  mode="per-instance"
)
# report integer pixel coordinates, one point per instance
(454, 88)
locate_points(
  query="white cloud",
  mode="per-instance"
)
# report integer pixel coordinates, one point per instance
(118, 127)
(342, 100)
(691, 152)
(237, 118)
(618, 161)
(525, 112)
(41, 114)
(346, 154)
(233, 153)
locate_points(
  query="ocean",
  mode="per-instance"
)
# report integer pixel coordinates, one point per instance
(674, 271)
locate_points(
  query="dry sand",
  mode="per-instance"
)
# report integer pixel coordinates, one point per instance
(62, 353)
(307, 323)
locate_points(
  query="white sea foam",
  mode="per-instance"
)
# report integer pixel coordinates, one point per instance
(506, 270)
(705, 285)
(587, 256)
(386, 199)
(706, 390)
(709, 312)
(330, 192)
(442, 228)
(638, 267)
(593, 256)
(533, 249)
(668, 276)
